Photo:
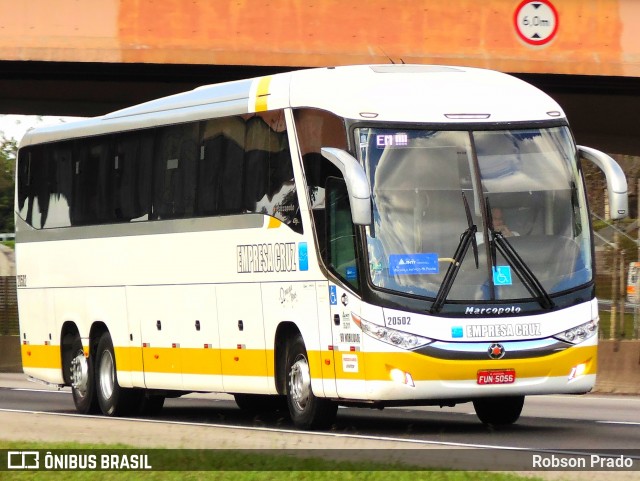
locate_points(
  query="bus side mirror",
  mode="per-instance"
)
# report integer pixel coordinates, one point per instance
(616, 181)
(357, 184)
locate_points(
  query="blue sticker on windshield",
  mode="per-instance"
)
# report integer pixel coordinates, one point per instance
(352, 273)
(502, 276)
(410, 264)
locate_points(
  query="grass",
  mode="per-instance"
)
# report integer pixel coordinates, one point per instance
(605, 326)
(241, 466)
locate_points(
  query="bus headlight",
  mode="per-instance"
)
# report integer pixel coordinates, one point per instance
(580, 333)
(396, 338)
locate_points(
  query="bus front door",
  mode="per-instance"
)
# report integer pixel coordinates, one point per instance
(348, 358)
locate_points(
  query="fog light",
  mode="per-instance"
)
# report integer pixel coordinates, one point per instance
(577, 371)
(402, 377)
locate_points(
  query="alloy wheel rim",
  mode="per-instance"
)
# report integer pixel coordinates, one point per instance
(106, 375)
(300, 383)
(80, 373)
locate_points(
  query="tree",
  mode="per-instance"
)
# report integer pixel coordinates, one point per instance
(8, 151)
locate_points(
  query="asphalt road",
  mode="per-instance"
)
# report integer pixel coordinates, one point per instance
(551, 422)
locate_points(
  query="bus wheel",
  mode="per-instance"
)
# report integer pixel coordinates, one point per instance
(261, 403)
(113, 400)
(307, 411)
(499, 411)
(81, 373)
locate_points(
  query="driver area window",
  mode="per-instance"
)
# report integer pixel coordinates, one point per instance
(341, 237)
(330, 209)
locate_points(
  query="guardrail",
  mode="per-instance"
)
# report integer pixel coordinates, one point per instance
(8, 307)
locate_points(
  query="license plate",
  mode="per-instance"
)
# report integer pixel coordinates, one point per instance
(496, 376)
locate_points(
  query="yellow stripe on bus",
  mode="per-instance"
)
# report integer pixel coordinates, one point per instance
(41, 356)
(378, 366)
(274, 223)
(372, 366)
(262, 94)
(129, 359)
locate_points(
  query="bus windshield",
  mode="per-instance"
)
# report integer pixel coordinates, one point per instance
(513, 198)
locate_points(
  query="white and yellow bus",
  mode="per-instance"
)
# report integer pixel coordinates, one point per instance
(374, 236)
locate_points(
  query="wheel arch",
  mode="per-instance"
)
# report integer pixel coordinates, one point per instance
(284, 333)
(98, 328)
(68, 333)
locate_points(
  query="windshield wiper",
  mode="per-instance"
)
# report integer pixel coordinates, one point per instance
(467, 238)
(523, 271)
(474, 241)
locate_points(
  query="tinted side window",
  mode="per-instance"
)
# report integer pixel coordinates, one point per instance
(245, 166)
(269, 183)
(175, 171)
(132, 164)
(23, 179)
(317, 129)
(90, 202)
(223, 166)
(45, 185)
(33, 186)
(341, 239)
(58, 168)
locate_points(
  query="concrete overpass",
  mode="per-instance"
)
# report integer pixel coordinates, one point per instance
(73, 57)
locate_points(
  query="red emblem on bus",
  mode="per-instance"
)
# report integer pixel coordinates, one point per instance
(496, 351)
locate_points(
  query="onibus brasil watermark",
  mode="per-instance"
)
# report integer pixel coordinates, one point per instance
(263, 460)
(51, 461)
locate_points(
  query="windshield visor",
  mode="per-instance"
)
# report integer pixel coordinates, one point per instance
(442, 198)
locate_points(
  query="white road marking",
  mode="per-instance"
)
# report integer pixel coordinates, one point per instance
(630, 423)
(40, 390)
(275, 430)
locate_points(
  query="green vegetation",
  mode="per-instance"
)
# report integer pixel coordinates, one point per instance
(268, 476)
(605, 326)
(255, 467)
(8, 150)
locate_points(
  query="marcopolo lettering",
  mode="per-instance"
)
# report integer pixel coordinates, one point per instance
(495, 311)
(503, 330)
(257, 258)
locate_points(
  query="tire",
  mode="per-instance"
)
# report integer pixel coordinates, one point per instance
(261, 403)
(499, 411)
(306, 410)
(112, 399)
(82, 377)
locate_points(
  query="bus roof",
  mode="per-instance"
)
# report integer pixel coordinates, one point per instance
(393, 93)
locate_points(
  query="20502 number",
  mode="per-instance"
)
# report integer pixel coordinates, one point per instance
(398, 320)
